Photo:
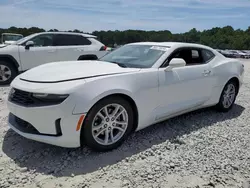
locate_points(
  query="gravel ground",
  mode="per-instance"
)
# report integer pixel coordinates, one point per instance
(200, 149)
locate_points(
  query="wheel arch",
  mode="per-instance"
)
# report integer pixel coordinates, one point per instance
(128, 98)
(11, 59)
(219, 105)
(133, 104)
(87, 57)
(233, 78)
(236, 80)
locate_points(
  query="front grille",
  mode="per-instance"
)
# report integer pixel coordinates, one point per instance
(22, 125)
(21, 97)
(26, 127)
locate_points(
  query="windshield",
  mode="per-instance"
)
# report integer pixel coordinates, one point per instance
(137, 56)
(24, 39)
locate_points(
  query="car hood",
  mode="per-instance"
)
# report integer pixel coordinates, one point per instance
(9, 42)
(72, 70)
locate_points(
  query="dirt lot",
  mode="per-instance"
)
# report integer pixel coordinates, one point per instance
(199, 149)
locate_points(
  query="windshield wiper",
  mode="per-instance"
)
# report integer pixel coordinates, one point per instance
(122, 65)
(119, 64)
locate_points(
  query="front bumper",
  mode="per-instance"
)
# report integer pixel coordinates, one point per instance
(54, 125)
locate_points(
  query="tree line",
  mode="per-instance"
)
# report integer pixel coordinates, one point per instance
(218, 37)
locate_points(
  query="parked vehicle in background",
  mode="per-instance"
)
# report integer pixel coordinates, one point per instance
(246, 54)
(234, 54)
(9, 38)
(110, 49)
(45, 47)
(241, 54)
(99, 103)
(226, 53)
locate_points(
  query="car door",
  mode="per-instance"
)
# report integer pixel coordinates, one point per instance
(71, 46)
(40, 53)
(186, 87)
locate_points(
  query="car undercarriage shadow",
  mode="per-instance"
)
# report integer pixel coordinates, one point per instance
(60, 162)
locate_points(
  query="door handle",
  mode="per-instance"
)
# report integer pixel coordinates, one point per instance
(206, 72)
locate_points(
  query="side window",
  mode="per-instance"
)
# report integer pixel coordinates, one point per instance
(192, 56)
(207, 55)
(43, 40)
(81, 40)
(196, 57)
(70, 40)
(195, 54)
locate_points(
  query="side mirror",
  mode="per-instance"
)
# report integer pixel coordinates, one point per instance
(29, 44)
(174, 63)
(87, 57)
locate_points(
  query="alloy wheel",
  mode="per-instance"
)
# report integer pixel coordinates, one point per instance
(229, 95)
(5, 73)
(110, 124)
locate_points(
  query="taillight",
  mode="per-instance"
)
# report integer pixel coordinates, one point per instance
(103, 48)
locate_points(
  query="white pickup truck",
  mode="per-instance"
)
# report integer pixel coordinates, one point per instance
(45, 47)
(9, 38)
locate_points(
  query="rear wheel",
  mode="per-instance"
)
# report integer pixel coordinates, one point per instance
(107, 124)
(228, 96)
(7, 72)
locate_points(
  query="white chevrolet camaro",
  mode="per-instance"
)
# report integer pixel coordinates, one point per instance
(98, 103)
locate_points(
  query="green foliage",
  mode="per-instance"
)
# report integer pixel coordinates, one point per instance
(221, 38)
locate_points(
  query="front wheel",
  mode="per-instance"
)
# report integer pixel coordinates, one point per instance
(107, 124)
(228, 97)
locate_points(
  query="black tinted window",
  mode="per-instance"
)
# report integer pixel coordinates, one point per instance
(190, 56)
(70, 40)
(193, 56)
(207, 55)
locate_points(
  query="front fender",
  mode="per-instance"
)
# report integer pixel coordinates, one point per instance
(93, 91)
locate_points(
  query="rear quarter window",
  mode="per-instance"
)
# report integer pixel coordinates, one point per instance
(207, 55)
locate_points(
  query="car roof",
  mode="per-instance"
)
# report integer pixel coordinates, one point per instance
(12, 34)
(68, 33)
(173, 44)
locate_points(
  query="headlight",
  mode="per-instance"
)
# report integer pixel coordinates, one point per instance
(53, 98)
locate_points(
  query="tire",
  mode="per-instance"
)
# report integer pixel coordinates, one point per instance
(106, 124)
(222, 106)
(7, 72)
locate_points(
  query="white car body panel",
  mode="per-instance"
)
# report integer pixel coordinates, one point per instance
(190, 79)
(9, 42)
(38, 55)
(78, 69)
(157, 94)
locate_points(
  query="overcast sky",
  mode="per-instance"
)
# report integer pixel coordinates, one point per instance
(88, 15)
